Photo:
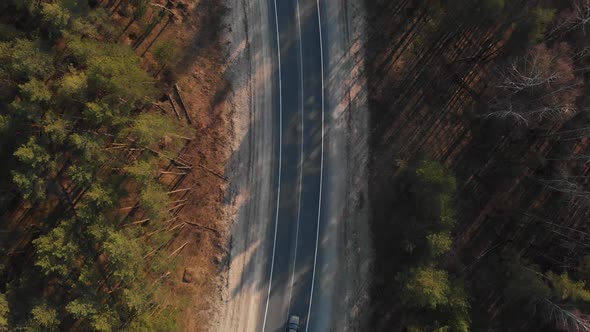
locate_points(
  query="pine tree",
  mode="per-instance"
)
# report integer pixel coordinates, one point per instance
(4, 311)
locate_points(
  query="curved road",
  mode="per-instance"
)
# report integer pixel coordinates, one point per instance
(299, 181)
(293, 253)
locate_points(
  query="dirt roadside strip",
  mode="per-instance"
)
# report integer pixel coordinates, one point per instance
(347, 240)
(249, 170)
(195, 82)
(249, 46)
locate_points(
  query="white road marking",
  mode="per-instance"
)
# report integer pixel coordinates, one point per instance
(274, 244)
(317, 237)
(300, 154)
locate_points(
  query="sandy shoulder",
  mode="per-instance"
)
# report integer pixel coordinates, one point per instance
(247, 41)
(348, 140)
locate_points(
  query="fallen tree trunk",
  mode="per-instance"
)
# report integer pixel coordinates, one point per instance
(173, 107)
(182, 104)
(202, 226)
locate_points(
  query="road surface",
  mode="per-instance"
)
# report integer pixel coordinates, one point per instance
(292, 175)
(299, 180)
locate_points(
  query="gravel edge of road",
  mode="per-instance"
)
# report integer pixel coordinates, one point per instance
(356, 258)
(251, 86)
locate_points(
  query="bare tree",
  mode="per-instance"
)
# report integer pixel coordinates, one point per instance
(564, 319)
(578, 17)
(572, 187)
(537, 89)
(565, 184)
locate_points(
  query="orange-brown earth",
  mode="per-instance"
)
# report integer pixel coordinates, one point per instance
(198, 70)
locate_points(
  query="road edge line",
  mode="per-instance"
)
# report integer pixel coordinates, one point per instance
(321, 169)
(280, 165)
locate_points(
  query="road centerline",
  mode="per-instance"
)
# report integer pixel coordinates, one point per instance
(300, 154)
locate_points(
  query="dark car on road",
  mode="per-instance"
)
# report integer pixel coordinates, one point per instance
(293, 324)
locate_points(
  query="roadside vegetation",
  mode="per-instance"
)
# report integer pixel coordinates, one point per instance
(479, 164)
(429, 296)
(87, 176)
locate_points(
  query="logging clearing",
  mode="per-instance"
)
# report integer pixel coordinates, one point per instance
(98, 175)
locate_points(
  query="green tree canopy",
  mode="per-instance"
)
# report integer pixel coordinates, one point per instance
(124, 255)
(55, 17)
(36, 90)
(23, 60)
(165, 53)
(153, 200)
(434, 188)
(44, 318)
(4, 311)
(425, 287)
(439, 243)
(150, 129)
(57, 251)
(33, 155)
(564, 288)
(73, 114)
(143, 171)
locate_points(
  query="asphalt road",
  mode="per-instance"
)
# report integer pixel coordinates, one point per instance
(299, 241)
(299, 157)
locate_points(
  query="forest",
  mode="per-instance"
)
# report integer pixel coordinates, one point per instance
(480, 164)
(90, 172)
